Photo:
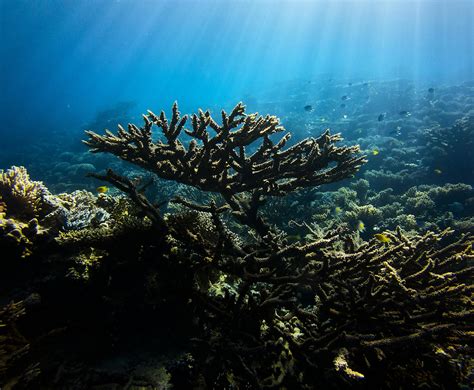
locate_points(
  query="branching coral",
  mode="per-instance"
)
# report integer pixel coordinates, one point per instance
(375, 303)
(277, 314)
(332, 305)
(220, 162)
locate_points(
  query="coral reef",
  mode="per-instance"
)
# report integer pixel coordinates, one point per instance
(423, 207)
(445, 146)
(220, 291)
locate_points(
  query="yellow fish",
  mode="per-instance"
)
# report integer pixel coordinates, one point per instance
(337, 210)
(375, 152)
(102, 189)
(361, 226)
(382, 238)
(438, 171)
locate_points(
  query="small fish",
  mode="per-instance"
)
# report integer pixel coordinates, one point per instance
(337, 210)
(345, 116)
(430, 90)
(102, 189)
(343, 105)
(308, 108)
(381, 117)
(349, 84)
(360, 226)
(397, 131)
(405, 113)
(382, 238)
(438, 171)
(375, 152)
(441, 351)
(345, 97)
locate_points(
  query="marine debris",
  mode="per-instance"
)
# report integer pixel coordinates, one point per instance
(245, 304)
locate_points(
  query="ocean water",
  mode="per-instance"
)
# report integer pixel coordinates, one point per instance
(395, 77)
(63, 61)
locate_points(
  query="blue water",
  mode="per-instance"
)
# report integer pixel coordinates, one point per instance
(62, 61)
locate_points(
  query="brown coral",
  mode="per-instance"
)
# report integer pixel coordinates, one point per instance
(220, 162)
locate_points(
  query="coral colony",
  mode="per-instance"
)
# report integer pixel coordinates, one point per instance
(208, 291)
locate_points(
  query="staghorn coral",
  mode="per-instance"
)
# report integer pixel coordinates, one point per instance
(278, 314)
(364, 309)
(104, 236)
(303, 314)
(220, 163)
(334, 306)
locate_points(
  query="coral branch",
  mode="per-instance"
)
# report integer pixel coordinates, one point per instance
(220, 162)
